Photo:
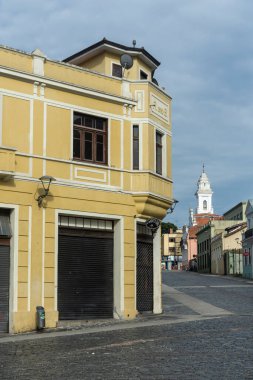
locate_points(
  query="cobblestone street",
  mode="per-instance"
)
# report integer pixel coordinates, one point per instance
(205, 332)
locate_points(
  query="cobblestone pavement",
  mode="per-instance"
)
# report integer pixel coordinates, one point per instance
(206, 332)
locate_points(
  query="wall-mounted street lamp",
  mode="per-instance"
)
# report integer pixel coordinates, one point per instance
(172, 207)
(46, 182)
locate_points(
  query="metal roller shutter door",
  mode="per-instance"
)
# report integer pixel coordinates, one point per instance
(85, 274)
(4, 287)
(144, 274)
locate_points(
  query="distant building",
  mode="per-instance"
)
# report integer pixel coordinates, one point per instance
(171, 249)
(237, 212)
(203, 214)
(218, 249)
(247, 242)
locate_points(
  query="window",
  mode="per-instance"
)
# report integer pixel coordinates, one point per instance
(143, 75)
(136, 147)
(90, 139)
(205, 205)
(159, 148)
(116, 70)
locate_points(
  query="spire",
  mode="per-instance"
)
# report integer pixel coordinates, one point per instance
(204, 194)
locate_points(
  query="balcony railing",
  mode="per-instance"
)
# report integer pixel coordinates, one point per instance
(248, 233)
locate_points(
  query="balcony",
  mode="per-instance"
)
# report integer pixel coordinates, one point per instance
(152, 194)
(248, 233)
(7, 163)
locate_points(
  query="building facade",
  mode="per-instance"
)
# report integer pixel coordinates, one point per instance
(208, 256)
(233, 251)
(100, 135)
(204, 195)
(247, 242)
(171, 250)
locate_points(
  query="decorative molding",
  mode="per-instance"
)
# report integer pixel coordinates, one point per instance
(140, 97)
(35, 88)
(39, 59)
(1, 118)
(67, 86)
(29, 258)
(42, 89)
(43, 256)
(93, 179)
(159, 108)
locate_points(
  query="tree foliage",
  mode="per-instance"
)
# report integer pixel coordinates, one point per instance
(167, 226)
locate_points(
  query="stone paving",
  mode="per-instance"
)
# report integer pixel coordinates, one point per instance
(182, 343)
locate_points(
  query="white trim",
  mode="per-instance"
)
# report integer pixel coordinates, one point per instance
(31, 137)
(66, 86)
(109, 177)
(164, 155)
(76, 108)
(140, 146)
(1, 118)
(43, 257)
(71, 172)
(157, 280)
(29, 258)
(121, 145)
(89, 165)
(140, 97)
(131, 146)
(15, 94)
(135, 263)
(13, 288)
(109, 142)
(44, 137)
(91, 171)
(118, 260)
(154, 110)
(118, 64)
(71, 133)
(147, 121)
(90, 111)
(145, 72)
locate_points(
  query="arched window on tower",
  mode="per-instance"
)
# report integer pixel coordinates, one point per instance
(204, 205)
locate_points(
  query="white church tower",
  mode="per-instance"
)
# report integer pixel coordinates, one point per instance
(204, 195)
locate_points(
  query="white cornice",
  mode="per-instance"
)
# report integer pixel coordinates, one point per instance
(65, 86)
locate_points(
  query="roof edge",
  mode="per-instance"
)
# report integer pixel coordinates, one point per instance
(104, 41)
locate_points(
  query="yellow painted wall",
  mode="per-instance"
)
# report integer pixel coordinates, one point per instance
(127, 147)
(82, 78)
(115, 143)
(16, 60)
(23, 125)
(18, 122)
(58, 132)
(11, 84)
(95, 64)
(169, 156)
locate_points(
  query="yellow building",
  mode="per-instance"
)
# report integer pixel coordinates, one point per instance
(103, 133)
(171, 249)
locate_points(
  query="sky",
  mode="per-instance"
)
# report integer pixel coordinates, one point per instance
(206, 54)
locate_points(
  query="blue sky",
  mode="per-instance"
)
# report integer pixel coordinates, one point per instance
(206, 54)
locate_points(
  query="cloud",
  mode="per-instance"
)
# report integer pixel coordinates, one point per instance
(206, 51)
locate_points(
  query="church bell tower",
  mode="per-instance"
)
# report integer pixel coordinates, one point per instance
(204, 195)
